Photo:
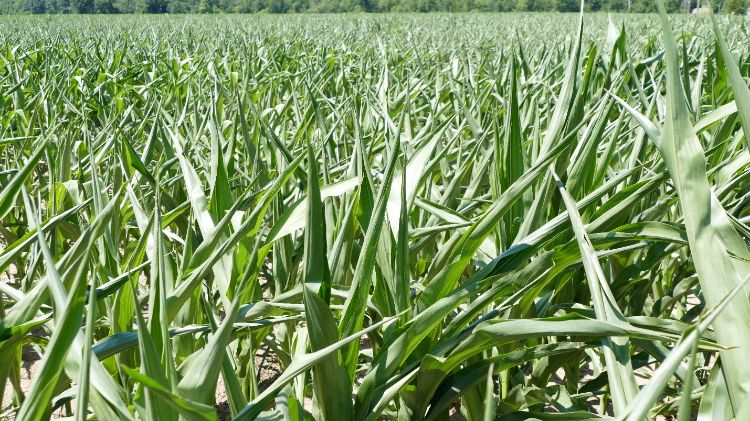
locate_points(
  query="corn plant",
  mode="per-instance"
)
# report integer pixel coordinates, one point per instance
(360, 217)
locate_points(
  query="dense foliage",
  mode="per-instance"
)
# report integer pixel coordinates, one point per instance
(374, 216)
(338, 6)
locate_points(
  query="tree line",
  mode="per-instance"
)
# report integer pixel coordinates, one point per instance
(339, 6)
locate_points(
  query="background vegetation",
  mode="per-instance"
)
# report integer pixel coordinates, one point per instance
(337, 6)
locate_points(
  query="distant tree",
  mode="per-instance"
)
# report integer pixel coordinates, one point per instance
(616, 5)
(649, 6)
(82, 6)
(207, 6)
(673, 6)
(735, 7)
(593, 5)
(156, 6)
(126, 6)
(419, 6)
(278, 6)
(568, 5)
(244, 6)
(485, 6)
(34, 6)
(184, 6)
(544, 5)
(104, 6)
(643, 6)
(298, 6)
(253, 6)
(504, 6)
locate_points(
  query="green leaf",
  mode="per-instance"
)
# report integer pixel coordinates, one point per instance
(711, 235)
(10, 191)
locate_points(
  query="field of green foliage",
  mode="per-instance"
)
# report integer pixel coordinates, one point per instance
(361, 217)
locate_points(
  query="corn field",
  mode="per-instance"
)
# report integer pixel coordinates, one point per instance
(365, 217)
